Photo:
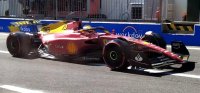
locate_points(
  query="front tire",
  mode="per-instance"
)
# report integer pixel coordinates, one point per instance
(155, 39)
(189, 66)
(115, 55)
(19, 44)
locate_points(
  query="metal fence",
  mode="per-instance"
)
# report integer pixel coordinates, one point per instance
(115, 10)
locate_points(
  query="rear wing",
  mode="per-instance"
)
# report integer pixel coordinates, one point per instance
(24, 26)
(179, 48)
(36, 26)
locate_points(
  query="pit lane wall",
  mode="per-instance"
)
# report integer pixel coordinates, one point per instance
(132, 29)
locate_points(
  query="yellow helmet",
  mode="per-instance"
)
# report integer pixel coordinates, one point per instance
(87, 27)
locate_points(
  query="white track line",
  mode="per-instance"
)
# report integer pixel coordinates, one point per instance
(189, 47)
(1, 33)
(5, 52)
(186, 75)
(156, 71)
(174, 74)
(19, 89)
(193, 48)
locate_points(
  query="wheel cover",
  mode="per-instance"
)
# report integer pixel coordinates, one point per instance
(113, 55)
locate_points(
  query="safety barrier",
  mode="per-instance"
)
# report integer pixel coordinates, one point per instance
(179, 27)
(132, 29)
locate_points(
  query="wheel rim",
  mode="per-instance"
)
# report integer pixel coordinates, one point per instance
(113, 55)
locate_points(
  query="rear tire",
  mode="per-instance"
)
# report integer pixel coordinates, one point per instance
(19, 44)
(115, 55)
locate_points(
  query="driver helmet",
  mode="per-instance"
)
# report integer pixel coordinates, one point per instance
(86, 27)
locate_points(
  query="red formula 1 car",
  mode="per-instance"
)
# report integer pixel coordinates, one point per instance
(118, 52)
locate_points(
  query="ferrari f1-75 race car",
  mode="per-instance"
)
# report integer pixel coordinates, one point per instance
(68, 38)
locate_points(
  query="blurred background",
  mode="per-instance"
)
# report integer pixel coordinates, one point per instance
(103, 10)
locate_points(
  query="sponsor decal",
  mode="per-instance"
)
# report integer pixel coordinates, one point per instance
(130, 31)
(138, 58)
(25, 28)
(59, 46)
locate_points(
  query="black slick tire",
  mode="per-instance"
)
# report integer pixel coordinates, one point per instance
(115, 55)
(19, 44)
(155, 39)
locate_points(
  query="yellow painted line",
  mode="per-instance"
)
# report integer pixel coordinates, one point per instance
(189, 28)
(181, 28)
(173, 27)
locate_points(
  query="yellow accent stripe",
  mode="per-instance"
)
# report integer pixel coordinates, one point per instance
(181, 28)
(106, 31)
(189, 28)
(17, 24)
(81, 31)
(13, 29)
(173, 27)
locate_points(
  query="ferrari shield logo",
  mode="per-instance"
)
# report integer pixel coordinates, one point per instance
(138, 58)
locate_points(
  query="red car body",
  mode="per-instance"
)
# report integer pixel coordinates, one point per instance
(117, 52)
(75, 43)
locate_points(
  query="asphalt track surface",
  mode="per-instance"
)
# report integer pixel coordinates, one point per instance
(41, 75)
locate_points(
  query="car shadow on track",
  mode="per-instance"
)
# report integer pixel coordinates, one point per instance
(99, 62)
(156, 72)
(78, 60)
(29, 56)
(83, 60)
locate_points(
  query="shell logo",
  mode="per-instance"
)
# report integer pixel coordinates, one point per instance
(71, 48)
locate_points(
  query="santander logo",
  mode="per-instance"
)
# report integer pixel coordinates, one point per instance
(138, 58)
